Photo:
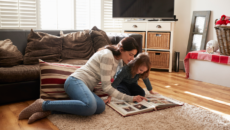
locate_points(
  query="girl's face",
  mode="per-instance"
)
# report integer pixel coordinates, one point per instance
(141, 69)
(127, 56)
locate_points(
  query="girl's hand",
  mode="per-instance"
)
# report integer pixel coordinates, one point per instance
(107, 100)
(151, 91)
(139, 98)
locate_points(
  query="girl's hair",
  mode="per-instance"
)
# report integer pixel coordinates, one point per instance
(141, 59)
(127, 43)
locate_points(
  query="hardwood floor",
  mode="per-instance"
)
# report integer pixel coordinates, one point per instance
(208, 96)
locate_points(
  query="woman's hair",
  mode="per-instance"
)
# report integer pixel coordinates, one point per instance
(127, 43)
(141, 59)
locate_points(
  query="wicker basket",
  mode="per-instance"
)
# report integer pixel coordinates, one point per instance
(223, 36)
(159, 59)
(143, 37)
(158, 40)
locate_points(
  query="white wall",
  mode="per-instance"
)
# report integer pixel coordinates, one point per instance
(184, 10)
(183, 14)
(217, 7)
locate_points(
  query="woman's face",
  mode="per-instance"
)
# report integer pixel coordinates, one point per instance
(127, 56)
(141, 69)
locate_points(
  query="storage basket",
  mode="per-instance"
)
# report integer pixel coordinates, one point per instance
(159, 59)
(223, 37)
(143, 37)
(158, 40)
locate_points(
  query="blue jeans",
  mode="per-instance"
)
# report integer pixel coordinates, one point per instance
(130, 89)
(83, 102)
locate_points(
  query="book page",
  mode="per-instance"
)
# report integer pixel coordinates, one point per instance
(155, 102)
(129, 108)
(160, 101)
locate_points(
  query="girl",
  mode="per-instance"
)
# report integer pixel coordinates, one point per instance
(126, 78)
(102, 67)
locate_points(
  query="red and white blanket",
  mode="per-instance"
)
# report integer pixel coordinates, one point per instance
(203, 55)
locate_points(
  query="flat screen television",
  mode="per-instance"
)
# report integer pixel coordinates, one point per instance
(143, 9)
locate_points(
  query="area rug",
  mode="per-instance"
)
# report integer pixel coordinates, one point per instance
(186, 117)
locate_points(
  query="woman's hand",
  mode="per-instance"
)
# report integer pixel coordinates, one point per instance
(151, 91)
(107, 100)
(139, 98)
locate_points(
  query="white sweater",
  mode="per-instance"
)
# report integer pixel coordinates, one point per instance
(101, 67)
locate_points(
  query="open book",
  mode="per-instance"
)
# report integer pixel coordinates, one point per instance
(154, 103)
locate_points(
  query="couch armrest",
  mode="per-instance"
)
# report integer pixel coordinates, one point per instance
(116, 38)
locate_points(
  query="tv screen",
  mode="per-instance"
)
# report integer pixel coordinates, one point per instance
(143, 8)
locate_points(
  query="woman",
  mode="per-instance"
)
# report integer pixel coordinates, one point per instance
(101, 67)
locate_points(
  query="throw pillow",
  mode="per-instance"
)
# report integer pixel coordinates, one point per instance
(9, 54)
(98, 40)
(53, 76)
(103, 33)
(42, 46)
(77, 45)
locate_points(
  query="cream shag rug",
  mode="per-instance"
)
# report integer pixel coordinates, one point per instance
(186, 117)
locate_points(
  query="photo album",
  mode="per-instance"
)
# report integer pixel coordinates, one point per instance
(155, 102)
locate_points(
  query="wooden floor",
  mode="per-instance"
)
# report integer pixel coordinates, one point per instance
(208, 96)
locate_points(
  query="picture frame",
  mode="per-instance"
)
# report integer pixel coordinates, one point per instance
(198, 30)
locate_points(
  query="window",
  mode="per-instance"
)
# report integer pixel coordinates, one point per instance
(58, 14)
(110, 24)
(88, 14)
(18, 14)
(70, 14)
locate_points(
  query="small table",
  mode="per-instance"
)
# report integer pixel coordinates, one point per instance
(210, 68)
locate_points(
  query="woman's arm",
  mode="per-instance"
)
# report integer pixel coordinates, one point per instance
(106, 68)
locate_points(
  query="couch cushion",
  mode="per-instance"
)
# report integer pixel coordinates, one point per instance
(99, 40)
(77, 45)
(9, 54)
(74, 61)
(42, 46)
(53, 76)
(19, 73)
(117, 37)
(103, 33)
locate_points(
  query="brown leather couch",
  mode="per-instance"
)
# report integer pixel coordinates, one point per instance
(22, 82)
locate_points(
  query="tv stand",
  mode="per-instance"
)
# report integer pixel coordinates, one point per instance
(163, 20)
(158, 41)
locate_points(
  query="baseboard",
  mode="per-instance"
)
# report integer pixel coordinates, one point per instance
(181, 64)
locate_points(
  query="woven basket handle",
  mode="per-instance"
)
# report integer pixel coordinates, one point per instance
(216, 21)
